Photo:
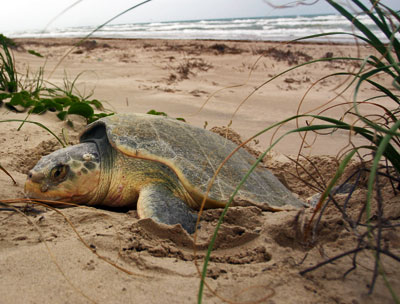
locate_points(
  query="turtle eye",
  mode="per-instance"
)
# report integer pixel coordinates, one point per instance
(59, 172)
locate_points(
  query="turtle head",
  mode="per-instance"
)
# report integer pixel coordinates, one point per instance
(71, 174)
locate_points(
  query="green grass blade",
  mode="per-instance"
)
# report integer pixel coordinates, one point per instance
(380, 65)
(381, 22)
(390, 152)
(98, 28)
(386, 91)
(396, 299)
(60, 14)
(38, 124)
(396, 43)
(113, 18)
(373, 40)
(383, 146)
(8, 78)
(331, 34)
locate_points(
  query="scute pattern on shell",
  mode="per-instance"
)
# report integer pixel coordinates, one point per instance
(195, 154)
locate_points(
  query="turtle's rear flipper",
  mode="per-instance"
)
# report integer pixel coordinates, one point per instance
(157, 202)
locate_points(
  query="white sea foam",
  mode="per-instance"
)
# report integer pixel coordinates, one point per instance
(263, 28)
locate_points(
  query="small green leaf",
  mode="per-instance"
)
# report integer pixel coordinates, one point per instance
(61, 115)
(74, 98)
(51, 104)
(154, 112)
(32, 52)
(82, 109)
(181, 119)
(65, 101)
(98, 116)
(97, 104)
(16, 100)
(22, 98)
(4, 96)
(38, 109)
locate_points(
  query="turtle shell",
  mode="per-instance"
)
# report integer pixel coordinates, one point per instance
(194, 154)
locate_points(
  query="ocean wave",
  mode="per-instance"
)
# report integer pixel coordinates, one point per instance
(262, 28)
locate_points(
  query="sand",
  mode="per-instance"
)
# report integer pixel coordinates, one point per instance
(258, 254)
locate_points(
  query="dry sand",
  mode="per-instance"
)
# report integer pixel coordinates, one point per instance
(258, 254)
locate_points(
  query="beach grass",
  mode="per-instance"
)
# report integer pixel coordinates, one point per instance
(30, 93)
(8, 74)
(381, 130)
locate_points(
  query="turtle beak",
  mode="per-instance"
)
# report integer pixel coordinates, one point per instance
(35, 177)
(34, 184)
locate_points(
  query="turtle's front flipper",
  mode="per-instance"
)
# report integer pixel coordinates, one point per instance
(157, 202)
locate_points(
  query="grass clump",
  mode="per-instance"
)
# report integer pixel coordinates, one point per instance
(35, 96)
(8, 75)
(379, 154)
(292, 58)
(187, 67)
(222, 48)
(381, 129)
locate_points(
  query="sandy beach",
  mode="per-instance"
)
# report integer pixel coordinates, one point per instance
(259, 254)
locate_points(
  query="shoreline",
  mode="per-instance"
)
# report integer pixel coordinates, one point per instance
(333, 43)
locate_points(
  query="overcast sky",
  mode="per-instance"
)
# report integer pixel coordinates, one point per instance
(19, 15)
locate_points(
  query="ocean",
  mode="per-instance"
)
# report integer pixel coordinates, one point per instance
(256, 29)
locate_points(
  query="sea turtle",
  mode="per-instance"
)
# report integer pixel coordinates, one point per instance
(160, 165)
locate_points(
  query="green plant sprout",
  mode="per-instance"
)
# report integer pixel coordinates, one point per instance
(35, 97)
